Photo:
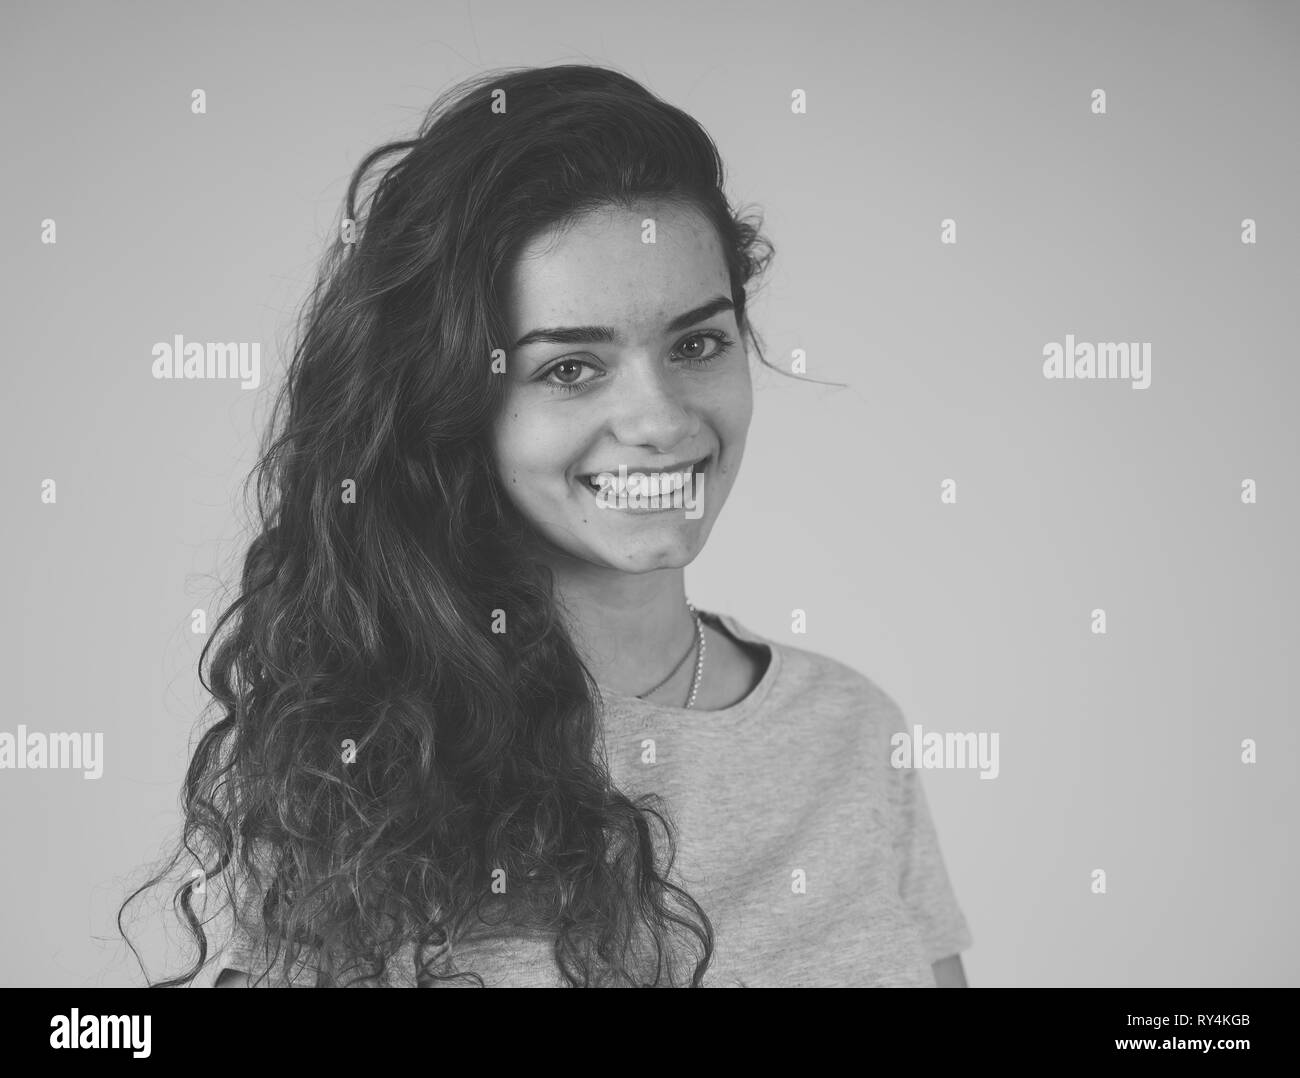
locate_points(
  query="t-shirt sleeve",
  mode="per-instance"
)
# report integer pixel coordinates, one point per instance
(242, 943)
(923, 879)
(243, 946)
(240, 937)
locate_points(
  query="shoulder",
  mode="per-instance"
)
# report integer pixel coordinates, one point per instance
(828, 688)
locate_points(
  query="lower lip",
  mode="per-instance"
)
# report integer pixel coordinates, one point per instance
(699, 471)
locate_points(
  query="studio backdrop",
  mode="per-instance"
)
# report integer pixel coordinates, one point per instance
(1031, 467)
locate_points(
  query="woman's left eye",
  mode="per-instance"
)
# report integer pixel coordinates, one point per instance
(723, 342)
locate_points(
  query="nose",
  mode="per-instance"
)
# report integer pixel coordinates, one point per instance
(652, 409)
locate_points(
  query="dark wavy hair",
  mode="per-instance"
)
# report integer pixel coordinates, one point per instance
(371, 618)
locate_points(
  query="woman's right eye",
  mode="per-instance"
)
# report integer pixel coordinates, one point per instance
(567, 387)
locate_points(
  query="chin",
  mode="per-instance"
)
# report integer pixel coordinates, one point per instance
(643, 559)
(631, 553)
(649, 563)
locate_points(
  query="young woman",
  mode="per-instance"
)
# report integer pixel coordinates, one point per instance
(474, 732)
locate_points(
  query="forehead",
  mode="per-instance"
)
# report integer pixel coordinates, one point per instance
(599, 270)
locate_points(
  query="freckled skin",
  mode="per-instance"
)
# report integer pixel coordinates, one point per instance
(644, 401)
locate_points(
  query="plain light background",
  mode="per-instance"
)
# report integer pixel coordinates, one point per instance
(1119, 752)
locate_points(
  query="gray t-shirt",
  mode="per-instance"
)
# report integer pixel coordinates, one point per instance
(815, 859)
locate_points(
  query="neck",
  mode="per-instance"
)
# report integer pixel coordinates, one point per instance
(629, 628)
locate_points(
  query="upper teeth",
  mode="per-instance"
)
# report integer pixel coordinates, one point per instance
(647, 484)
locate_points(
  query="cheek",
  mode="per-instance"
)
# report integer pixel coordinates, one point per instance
(506, 447)
(736, 406)
(523, 447)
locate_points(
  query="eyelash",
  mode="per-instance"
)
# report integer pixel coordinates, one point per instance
(724, 346)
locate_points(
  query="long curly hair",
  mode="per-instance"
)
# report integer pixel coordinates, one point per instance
(383, 752)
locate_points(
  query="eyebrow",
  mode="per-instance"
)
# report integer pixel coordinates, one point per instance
(609, 335)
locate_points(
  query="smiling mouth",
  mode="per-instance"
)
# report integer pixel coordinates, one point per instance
(666, 491)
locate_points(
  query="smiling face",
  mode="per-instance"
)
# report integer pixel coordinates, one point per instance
(647, 371)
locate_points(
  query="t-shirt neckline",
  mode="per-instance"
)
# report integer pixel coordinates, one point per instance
(739, 710)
